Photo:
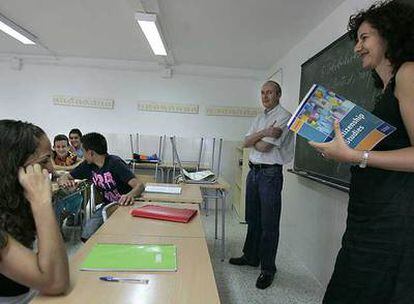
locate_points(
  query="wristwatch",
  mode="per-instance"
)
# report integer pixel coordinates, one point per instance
(364, 159)
(3, 239)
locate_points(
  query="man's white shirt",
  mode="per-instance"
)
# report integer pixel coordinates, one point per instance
(282, 151)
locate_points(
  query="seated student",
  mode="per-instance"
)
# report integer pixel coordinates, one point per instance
(26, 212)
(63, 158)
(75, 142)
(110, 175)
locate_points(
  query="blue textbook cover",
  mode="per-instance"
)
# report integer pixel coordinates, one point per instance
(314, 120)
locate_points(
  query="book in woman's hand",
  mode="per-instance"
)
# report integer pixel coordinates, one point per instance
(320, 108)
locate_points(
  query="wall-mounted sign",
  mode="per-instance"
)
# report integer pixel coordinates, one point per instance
(84, 102)
(233, 111)
(168, 107)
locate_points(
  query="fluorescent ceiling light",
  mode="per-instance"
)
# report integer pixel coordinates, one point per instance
(147, 22)
(17, 32)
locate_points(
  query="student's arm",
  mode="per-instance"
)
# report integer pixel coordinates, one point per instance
(66, 180)
(46, 271)
(66, 168)
(69, 168)
(81, 171)
(137, 189)
(397, 160)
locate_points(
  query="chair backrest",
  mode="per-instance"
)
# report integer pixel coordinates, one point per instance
(108, 210)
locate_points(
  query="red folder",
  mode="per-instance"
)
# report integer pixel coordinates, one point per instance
(181, 215)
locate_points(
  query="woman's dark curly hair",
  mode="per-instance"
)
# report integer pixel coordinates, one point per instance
(18, 141)
(395, 23)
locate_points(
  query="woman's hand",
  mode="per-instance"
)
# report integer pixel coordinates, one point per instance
(36, 184)
(337, 149)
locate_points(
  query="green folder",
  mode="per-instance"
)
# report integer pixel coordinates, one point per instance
(131, 257)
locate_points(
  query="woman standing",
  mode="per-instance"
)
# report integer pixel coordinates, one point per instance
(376, 262)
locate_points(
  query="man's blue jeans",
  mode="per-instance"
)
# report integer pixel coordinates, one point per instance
(263, 206)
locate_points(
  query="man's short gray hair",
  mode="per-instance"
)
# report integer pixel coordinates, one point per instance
(276, 85)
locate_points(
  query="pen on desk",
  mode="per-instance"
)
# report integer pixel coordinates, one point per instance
(115, 279)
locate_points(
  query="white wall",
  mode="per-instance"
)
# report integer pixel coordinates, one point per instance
(26, 94)
(314, 215)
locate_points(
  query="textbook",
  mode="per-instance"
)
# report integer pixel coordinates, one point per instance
(131, 257)
(165, 213)
(163, 189)
(314, 120)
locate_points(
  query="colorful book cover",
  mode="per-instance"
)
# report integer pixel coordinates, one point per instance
(314, 120)
(131, 257)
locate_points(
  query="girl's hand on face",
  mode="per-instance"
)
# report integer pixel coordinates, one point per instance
(36, 184)
(337, 149)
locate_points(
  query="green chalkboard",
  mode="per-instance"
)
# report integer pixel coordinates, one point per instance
(339, 69)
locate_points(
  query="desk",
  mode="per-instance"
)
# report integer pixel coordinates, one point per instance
(192, 283)
(169, 167)
(221, 188)
(190, 193)
(165, 168)
(122, 223)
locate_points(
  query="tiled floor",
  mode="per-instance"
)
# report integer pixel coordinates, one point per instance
(293, 283)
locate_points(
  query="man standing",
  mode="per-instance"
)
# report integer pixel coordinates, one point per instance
(271, 146)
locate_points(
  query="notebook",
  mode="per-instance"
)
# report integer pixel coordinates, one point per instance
(165, 213)
(162, 189)
(131, 257)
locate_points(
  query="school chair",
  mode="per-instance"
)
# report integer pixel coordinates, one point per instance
(108, 210)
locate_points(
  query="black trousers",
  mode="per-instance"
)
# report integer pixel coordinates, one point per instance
(263, 206)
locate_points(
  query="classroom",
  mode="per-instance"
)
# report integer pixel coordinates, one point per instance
(90, 67)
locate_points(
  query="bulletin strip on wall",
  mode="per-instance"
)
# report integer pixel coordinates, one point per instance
(84, 102)
(183, 108)
(233, 111)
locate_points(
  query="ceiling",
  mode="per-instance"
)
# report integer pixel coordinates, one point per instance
(247, 34)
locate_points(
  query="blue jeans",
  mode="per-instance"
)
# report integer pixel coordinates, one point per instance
(263, 206)
(70, 204)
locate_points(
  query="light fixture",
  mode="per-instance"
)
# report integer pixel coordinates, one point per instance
(148, 24)
(16, 31)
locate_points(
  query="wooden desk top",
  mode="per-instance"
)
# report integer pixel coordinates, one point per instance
(122, 223)
(192, 283)
(144, 165)
(221, 184)
(166, 165)
(186, 165)
(190, 193)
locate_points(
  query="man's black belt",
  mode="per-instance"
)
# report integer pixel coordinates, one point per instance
(262, 166)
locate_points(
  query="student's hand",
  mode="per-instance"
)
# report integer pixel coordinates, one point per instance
(36, 184)
(66, 182)
(337, 149)
(271, 131)
(126, 200)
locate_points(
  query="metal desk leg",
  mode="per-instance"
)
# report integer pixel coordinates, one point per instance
(162, 175)
(216, 215)
(206, 206)
(223, 224)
